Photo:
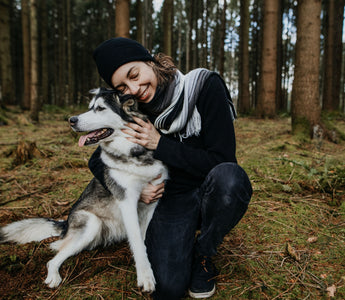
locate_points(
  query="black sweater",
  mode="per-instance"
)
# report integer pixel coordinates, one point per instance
(191, 160)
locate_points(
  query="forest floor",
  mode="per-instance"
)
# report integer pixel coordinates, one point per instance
(289, 245)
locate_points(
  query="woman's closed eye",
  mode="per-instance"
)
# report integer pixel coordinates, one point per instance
(121, 89)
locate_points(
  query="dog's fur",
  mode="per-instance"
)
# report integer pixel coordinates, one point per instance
(102, 216)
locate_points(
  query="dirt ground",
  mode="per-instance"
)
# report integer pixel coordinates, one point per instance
(289, 245)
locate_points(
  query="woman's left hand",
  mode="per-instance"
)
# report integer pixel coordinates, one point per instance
(143, 133)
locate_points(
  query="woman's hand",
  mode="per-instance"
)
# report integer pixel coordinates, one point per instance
(152, 193)
(143, 133)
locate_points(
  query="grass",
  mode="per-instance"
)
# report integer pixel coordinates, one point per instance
(289, 245)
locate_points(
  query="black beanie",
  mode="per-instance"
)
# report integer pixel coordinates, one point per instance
(113, 53)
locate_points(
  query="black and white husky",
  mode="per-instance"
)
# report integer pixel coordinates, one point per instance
(102, 216)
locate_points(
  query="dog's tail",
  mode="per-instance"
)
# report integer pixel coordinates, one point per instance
(31, 230)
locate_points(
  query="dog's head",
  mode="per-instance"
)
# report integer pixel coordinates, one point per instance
(108, 112)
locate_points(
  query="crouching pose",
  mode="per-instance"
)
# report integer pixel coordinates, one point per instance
(191, 131)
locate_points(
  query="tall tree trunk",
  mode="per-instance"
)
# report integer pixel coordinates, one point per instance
(61, 67)
(189, 41)
(44, 50)
(244, 95)
(139, 20)
(279, 95)
(34, 107)
(266, 106)
(305, 105)
(6, 76)
(122, 18)
(70, 69)
(222, 39)
(333, 55)
(168, 19)
(26, 53)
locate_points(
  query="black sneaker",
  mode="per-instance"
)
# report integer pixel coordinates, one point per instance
(203, 283)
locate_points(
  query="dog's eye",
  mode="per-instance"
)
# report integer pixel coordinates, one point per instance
(100, 108)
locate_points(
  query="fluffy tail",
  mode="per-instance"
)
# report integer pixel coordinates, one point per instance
(31, 230)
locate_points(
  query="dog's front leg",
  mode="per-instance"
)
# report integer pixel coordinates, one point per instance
(145, 277)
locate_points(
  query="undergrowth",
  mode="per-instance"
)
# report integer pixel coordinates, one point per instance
(289, 245)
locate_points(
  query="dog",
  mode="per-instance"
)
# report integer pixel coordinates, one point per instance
(103, 214)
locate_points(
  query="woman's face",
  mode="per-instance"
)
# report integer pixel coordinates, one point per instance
(136, 78)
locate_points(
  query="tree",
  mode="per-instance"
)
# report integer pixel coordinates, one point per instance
(34, 102)
(305, 105)
(333, 54)
(6, 77)
(244, 95)
(222, 39)
(122, 18)
(26, 53)
(44, 52)
(168, 19)
(266, 106)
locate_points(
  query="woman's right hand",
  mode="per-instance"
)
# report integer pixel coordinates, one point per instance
(151, 193)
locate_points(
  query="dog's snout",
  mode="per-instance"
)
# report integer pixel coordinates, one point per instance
(73, 120)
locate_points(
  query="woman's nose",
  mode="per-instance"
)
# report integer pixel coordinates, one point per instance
(133, 88)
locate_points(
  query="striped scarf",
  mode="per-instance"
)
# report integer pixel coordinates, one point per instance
(178, 112)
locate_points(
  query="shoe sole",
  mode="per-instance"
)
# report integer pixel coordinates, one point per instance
(203, 294)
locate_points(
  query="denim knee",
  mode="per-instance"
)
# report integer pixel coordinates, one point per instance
(229, 179)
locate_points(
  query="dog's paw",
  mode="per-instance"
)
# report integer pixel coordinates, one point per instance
(146, 280)
(53, 280)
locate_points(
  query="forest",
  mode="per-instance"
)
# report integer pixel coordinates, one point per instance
(260, 47)
(284, 64)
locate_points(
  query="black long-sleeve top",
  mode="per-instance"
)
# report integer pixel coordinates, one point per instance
(191, 160)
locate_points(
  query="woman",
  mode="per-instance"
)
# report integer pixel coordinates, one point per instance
(191, 131)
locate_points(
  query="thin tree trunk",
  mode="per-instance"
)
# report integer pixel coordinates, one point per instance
(44, 51)
(222, 40)
(34, 107)
(6, 77)
(305, 106)
(70, 70)
(26, 53)
(244, 95)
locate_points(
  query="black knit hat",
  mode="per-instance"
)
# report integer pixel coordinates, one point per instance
(113, 53)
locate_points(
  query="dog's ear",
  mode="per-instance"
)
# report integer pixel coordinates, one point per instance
(130, 107)
(94, 91)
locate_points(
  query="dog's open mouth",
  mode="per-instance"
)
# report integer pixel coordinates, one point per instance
(94, 136)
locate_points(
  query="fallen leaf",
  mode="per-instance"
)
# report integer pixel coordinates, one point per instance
(292, 252)
(312, 239)
(331, 290)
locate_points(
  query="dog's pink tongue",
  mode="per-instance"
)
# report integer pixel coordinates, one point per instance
(83, 138)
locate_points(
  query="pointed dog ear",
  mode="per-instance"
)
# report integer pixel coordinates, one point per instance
(130, 107)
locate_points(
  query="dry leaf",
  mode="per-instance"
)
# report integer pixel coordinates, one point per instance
(292, 252)
(312, 239)
(331, 290)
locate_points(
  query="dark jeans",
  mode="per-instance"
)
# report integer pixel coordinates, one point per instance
(216, 207)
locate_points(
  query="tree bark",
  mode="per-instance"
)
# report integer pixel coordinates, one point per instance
(6, 77)
(266, 106)
(26, 53)
(244, 95)
(34, 105)
(305, 105)
(168, 19)
(222, 40)
(44, 50)
(122, 18)
(333, 55)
